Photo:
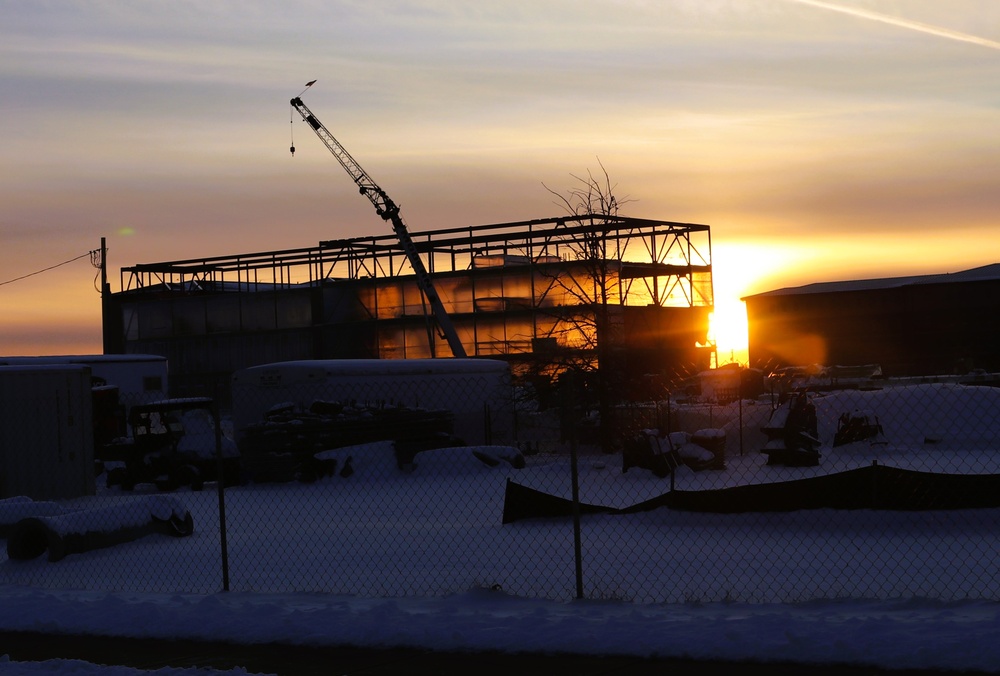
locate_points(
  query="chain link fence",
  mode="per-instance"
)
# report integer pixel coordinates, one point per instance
(427, 484)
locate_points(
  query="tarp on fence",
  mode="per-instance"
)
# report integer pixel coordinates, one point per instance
(872, 487)
(521, 502)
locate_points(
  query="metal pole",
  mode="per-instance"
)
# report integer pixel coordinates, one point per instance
(220, 484)
(574, 466)
(577, 543)
(105, 299)
(670, 413)
(741, 424)
(104, 265)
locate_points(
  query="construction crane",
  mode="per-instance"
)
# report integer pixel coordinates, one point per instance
(389, 211)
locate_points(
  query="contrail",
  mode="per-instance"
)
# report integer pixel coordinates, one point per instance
(902, 23)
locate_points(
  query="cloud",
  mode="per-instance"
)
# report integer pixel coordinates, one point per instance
(902, 23)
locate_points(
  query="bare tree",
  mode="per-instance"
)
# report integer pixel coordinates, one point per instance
(590, 284)
(591, 196)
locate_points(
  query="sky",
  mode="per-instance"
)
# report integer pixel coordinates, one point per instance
(820, 140)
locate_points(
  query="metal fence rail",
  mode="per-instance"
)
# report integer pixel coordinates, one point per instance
(884, 492)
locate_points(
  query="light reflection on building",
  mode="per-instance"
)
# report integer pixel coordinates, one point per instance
(544, 294)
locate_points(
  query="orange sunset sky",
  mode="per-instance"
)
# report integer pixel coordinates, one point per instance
(820, 140)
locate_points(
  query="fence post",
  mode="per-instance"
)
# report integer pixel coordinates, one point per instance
(220, 484)
(741, 423)
(569, 402)
(875, 496)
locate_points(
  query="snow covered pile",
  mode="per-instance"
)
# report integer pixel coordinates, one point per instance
(63, 530)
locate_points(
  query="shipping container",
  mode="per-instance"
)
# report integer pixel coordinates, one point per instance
(138, 377)
(46, 432)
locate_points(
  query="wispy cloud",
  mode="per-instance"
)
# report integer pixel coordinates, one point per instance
(902, 23)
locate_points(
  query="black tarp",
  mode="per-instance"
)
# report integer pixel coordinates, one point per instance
(872, 487)
(521, 502)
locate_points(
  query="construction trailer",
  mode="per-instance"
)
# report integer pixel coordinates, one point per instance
(137, 377)
(46, 432)
(545, 296)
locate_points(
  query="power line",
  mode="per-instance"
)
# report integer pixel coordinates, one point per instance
(51, 267)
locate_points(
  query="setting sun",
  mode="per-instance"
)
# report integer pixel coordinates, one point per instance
(732, 278)
(728, 328)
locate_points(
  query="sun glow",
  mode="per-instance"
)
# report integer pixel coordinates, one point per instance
(739, 268)
(728, 328)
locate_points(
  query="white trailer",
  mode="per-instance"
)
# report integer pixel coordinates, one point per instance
(46, 432)
(138, 377)
(476, 391)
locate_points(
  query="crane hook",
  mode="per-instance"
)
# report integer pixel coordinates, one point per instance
(293, 150)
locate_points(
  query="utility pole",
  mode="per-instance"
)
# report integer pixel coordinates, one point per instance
(105, 300)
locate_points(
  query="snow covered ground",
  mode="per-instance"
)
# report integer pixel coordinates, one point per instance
(422, 559)
(903, 634)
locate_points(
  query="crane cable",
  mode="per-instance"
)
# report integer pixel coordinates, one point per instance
(91, 254)
(291, 117)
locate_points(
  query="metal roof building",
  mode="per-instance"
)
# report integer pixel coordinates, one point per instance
(918, 325)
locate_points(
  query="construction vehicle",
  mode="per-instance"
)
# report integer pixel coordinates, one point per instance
(172, 443)
(389, 211)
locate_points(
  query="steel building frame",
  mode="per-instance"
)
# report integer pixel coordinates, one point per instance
(663, 257)
(546, 295)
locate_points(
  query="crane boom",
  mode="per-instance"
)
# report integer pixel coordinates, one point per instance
(388, 211)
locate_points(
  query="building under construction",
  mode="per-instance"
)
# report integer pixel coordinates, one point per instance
(545, 295)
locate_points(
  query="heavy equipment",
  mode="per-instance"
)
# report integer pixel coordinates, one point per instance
(389, 211)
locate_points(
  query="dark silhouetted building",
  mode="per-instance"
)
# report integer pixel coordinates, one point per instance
(910, 326)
